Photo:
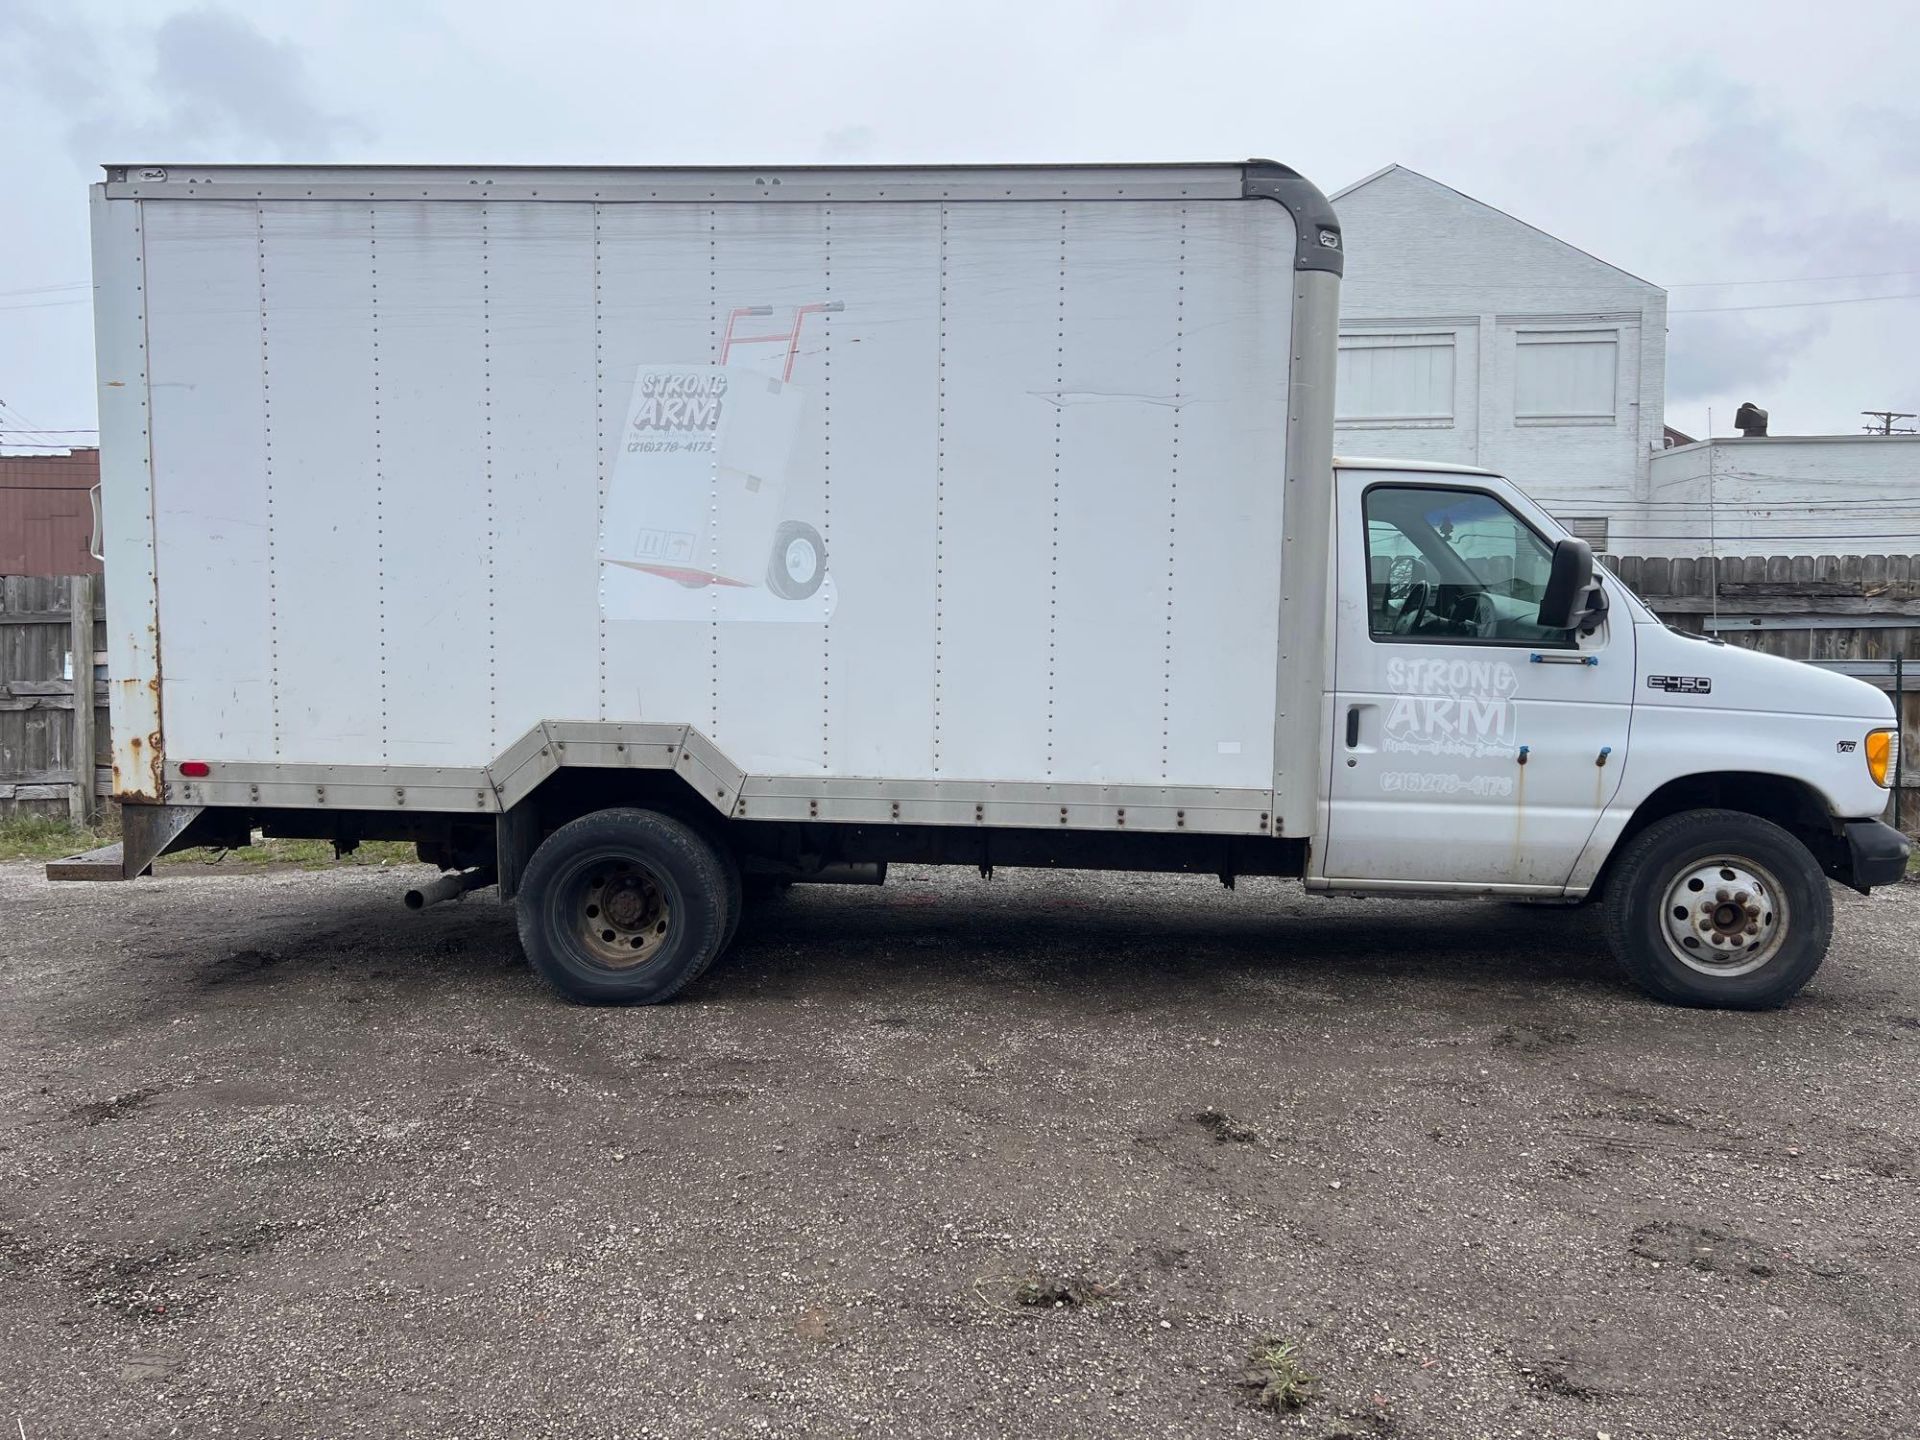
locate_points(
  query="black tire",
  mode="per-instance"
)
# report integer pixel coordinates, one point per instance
(787, 542)
(658, 888)
(1681, 873)
(736, 894)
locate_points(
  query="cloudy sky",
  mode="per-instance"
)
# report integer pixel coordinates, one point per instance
(1761, 160)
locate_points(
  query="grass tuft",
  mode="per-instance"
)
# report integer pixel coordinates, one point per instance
(43, 837)
(1276, 1376)
(302, 854)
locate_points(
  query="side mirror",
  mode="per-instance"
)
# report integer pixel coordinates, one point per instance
(1572, 598)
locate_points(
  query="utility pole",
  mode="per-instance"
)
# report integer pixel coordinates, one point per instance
(1885, 425)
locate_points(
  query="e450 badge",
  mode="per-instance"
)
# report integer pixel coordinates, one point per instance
(1681, 684)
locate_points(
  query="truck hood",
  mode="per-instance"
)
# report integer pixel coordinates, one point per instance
(1693, 673)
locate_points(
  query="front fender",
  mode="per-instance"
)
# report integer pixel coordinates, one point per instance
(1824, 754)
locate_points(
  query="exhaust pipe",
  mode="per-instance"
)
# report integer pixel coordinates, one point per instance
(450, 887)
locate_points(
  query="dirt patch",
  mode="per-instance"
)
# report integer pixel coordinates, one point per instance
(241, 965)
(165, 1284)
(1529, 1038)
(1056, 1292)
(1711, 1251)
(1224, 1129)
(114, 1107)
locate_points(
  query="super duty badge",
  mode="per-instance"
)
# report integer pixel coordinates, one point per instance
(1681, 684)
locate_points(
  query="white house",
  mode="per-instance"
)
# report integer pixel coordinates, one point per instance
(1467, 335)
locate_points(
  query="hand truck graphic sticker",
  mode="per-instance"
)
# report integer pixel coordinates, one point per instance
(698, 499)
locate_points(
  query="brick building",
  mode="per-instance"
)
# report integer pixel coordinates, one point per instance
(46, 513)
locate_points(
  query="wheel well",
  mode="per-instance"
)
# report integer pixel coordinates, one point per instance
(1792, 804)
(571, 793)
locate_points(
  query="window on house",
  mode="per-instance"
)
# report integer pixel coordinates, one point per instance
(1590, 528)
(1395, 378)
(1565, 376)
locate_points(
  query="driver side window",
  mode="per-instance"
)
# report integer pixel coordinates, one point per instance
(1448, 566)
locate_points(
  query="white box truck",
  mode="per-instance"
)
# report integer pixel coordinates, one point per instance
(631, 538)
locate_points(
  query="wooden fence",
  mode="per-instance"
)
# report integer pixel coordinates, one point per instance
(53, 755)
(1858, 614)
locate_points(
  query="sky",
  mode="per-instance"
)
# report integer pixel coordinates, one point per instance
(1760, 160)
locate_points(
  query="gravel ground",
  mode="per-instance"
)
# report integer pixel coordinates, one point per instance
(279, 1158)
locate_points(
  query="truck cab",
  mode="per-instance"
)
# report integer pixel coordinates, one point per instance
(1506, 722)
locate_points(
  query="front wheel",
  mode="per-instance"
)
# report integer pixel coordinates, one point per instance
(1718, 908)
(624, 907)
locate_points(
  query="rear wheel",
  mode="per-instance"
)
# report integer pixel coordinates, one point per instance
(624, 907)
(1719, 908)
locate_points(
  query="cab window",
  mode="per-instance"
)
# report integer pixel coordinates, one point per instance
(1454, 566)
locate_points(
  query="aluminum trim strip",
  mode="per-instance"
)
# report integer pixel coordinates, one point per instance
(614, 745)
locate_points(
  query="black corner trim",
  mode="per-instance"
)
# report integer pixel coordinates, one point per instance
(1877, 852)
(1318, 229)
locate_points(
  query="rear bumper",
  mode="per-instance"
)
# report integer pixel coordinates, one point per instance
(1877, 854)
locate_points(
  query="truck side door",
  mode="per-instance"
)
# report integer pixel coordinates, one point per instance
(1472, 746)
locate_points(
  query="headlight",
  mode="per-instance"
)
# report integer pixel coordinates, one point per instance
(1880, 754)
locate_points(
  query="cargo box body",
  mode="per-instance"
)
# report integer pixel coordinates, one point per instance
(944, 486)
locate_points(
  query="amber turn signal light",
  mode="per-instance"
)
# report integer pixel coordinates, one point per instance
(1880, 754)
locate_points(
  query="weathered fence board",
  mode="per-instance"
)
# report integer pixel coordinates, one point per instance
(38, 643)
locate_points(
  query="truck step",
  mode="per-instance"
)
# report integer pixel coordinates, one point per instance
(104, 863)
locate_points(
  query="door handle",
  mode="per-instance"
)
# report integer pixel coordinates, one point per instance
(1353, 727)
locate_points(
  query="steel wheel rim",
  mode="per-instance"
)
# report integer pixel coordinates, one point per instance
(1725, 915)
(800, 560)
(619, 910)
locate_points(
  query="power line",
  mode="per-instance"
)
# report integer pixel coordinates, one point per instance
(49, 304)
(1794, 304)
(1788, 280)
(49, 289)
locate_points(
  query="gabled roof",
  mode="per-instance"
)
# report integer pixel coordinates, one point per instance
(1386, 170)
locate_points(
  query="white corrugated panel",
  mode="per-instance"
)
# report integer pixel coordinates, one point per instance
(543, 388)
(879, 364)
(438, 632)
(328, 572)
(422, 500)
(211, 478)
